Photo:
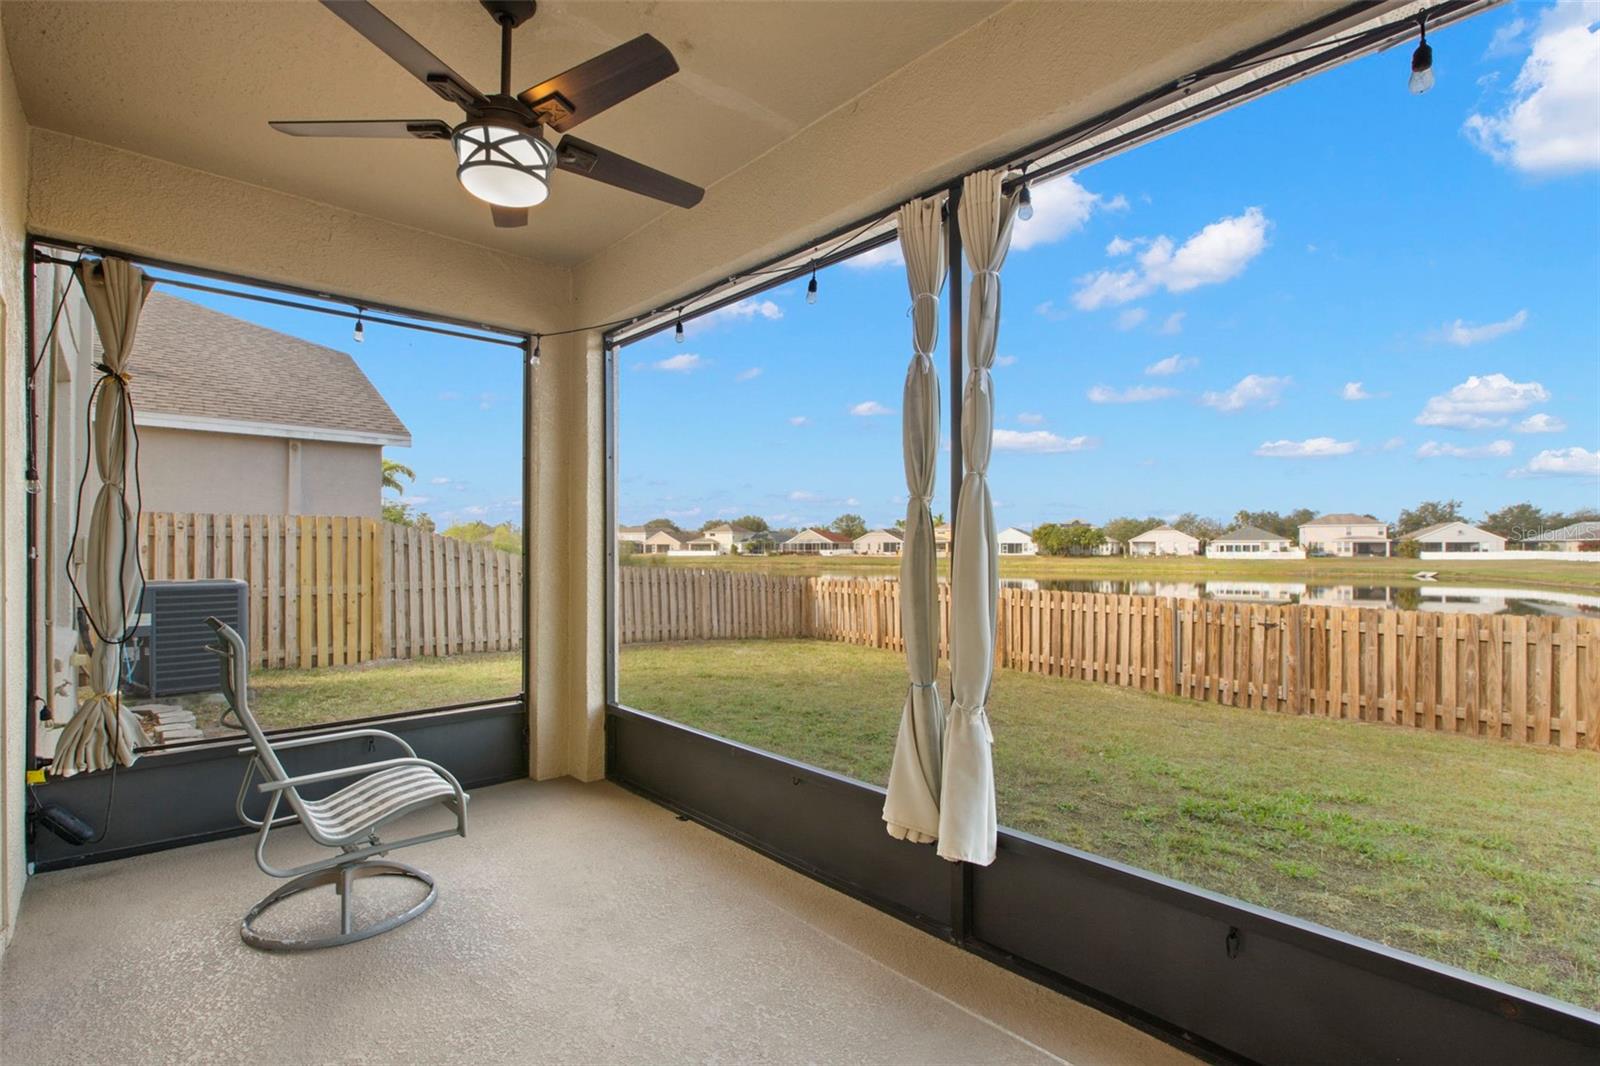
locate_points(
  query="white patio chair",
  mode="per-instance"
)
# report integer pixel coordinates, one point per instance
(347, 820)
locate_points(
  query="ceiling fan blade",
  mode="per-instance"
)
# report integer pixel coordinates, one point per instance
(509, 217)
(609, 78)
(401, 47)
(592, 161)
(424, 129)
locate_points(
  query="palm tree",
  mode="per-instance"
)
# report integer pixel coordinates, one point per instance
(393, 471)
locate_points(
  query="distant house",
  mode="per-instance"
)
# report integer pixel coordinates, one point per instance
(816, 542)
(1164, 540)
(237, 418)
(1346, 535)
(667, 541)
(1580, 536)
(1252, 542)
(942, 536)
(879, 542)
(635, 535)
(1014, 541)
(726, 537)
(1457, 537)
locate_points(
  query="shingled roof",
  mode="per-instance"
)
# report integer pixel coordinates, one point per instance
(195, 368)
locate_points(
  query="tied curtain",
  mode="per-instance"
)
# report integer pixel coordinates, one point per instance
(911, 811)
(967, 808)
(102, 732)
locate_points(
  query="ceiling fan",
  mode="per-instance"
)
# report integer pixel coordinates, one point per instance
(501, 154)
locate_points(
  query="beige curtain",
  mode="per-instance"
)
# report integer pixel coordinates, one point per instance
(102, 731)
(911, 811)
(967, 812)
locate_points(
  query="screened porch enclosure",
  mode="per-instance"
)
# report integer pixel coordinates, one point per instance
(419, 545)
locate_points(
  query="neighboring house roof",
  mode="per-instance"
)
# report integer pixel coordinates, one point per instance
(1437, 526)
(1019, 532)
(195, 368)
(1150, 533)
(677, 535)
(1342, 518)
(1576, 531)
(825, 534)
(891, 534)
(1250, 533)
(630, 529)
(725, 528)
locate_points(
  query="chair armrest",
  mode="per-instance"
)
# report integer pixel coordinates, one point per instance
(269, 787)
(328, 738)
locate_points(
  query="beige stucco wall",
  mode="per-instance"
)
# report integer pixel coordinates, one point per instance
(228, 473)
(13, 215)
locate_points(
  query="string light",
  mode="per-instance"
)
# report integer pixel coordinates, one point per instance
(360, 334)
(677, 331)
(811, 286)
(1422, 61)
(1025, 203)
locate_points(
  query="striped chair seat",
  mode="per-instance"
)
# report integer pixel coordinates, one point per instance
(357, 809)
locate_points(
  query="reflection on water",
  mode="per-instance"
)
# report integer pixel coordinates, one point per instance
(1439, 598)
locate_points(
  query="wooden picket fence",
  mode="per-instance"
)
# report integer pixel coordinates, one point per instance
(330, 590)
(1527, 679)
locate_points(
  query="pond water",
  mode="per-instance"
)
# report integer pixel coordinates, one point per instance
(1421, 597)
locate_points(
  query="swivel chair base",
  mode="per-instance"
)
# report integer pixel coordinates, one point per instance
(343, 879)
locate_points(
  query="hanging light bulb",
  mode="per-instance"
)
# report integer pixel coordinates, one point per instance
(1422, 62)
(1025, 203)
(677, 331)
(811, 287)
(360, 334)
(32, 482)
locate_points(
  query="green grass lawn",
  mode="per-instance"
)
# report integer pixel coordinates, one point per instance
(286, 698)
(1479, 854)
(1568, 575)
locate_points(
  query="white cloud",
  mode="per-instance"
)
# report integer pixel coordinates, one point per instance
(802, 496)
(413, 501)
(1119, 246)
(1131, 318)
(1574, 461)
(1005, 360)
(476, 510)
(1030, 418)
(881, 256)
(1173, 324)
(748, 375)
(1132, 394)
(1049, 310)
(1438, 450)
(1541, 423)
(685, 512)
(1353, 390)
(679, 364)
(485, 400)
(1218, 253)
(1507, 40)
(1252, 390)
(1039, 441)
(1465, 334)
(438, 481)
(1172, 364)
(1394, 442)
(1310, 448)
(869, 408)
(742, 311)
(799, 420)
(1550, 121)
(1481, 402)
(1060, 207)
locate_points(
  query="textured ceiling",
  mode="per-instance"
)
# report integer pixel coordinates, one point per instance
(196, 83)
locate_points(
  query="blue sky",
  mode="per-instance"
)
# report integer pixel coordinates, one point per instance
(1340, 296)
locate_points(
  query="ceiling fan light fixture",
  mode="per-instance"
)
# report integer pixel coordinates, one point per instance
(503, 165)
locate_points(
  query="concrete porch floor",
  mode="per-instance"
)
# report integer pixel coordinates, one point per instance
(578, 923)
